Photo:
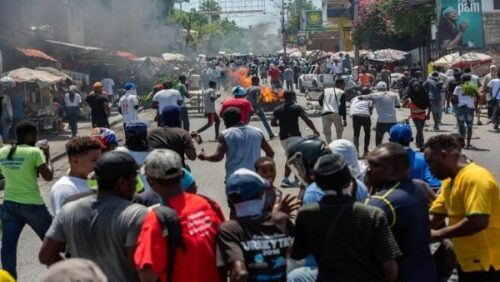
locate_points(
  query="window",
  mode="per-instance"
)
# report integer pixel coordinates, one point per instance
(496, 4)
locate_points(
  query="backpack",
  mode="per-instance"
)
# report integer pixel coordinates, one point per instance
(172, 229)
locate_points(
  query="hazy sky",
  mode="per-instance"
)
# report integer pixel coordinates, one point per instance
(271, 13)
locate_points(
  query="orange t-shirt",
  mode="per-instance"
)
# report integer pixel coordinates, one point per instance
(200, 221)
(364, 79)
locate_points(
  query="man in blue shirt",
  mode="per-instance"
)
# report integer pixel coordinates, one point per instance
(419, 169)
(406, 208)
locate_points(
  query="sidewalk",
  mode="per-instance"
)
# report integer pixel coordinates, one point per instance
(57, 143)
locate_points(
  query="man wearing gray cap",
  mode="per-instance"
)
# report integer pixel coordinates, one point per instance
(199, 217)
(349, 240)
(386, 103)
(102, 227)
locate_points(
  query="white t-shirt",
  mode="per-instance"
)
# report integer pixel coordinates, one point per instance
(139, 157)
(463, 100)
(127, 104)
(167, 97)
(76, 101)
(359, 107)
(194, 81)
(494, 85)
(108, 84)
(65, 187)
(331, 103)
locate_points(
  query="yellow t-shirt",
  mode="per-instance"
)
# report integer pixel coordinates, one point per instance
(474, 191)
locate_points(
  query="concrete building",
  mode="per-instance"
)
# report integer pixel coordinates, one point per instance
(337, 21)
(491, 22)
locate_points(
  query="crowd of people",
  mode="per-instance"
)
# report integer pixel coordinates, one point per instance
(389, 213)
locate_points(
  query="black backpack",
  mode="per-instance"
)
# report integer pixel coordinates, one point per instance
(171, 229)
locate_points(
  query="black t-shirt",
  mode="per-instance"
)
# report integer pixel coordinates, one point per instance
(173, 138)
(288, 118)
(96, 103)
(261, 243)
(447, 31)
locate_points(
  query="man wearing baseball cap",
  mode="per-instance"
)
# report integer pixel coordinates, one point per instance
(349, 240)
(129, 104)
(401, 133)
(254, 225)
(199, 218)
(99, 105)
(405, 205)
(386, 103)
(238, 101)
(101, 227)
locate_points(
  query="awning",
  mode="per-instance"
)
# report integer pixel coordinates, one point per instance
(76, 46)
(42, 78)
(127, 55)
(36, 54)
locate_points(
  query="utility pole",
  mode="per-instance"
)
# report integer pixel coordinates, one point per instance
(283, 28)
(355, 14)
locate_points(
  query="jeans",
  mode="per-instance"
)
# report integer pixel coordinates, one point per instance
(329, 119)
(185, 118)
(72, 115)
(6, 124)
(357, 123)
(380, 129)
(437, 109)
(419, 137)
(14, 216)
(262, 117)
(211, 119)
(465, 118)
(289, 85)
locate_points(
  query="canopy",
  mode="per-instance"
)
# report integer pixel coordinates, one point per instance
(42, 78)
(35, 54)
(7, 82)
(446, 60)
(75, 46)
(387, 55)
(173, 57)
(471, 60)
(55, 72)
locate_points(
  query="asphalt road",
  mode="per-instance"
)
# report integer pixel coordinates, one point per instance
(210, 176)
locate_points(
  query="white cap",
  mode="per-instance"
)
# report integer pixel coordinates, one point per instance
(162, 164)
(381, 85)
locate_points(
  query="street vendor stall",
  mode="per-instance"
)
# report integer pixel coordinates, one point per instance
(38, 91)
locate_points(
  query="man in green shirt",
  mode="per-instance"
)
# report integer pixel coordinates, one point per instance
(181, 87)
(20, 164)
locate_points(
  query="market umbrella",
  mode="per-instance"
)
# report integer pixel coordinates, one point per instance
(42, 78)
(55, 72)
(471, 60)
(446, 60)
(387, 55)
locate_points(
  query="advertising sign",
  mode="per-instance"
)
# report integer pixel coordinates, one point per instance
(314, 19)
(459, 25)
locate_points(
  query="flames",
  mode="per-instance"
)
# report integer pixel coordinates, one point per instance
(241, 77)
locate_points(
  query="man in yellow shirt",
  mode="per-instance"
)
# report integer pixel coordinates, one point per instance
(470, 198)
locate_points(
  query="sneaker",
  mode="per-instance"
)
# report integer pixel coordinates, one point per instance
(271, 137)
(479, 122)
(436, 128)
(286, 183)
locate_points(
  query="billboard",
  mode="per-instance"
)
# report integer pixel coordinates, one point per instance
(459, 24)
(314, 19)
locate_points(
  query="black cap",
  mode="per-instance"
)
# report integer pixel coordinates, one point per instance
(329, 164)
(113, 165)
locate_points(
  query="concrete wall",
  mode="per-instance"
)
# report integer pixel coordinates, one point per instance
(491, 25)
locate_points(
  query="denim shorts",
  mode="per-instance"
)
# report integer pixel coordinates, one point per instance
(466, 114)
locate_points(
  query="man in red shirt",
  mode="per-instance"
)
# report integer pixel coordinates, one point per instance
(275, 75)
(199, 219)
(238, 101)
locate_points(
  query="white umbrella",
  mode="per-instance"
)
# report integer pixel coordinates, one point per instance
(387, 55)
(446, 60)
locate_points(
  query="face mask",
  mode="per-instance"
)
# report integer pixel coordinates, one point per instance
(250, 208)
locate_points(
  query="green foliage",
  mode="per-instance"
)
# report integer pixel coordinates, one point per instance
(212, 7)
(293, 11)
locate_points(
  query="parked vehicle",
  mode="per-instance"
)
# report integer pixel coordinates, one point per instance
(311, 79)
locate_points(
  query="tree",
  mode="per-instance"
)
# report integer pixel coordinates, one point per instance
(294, 9)
(212, 8)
